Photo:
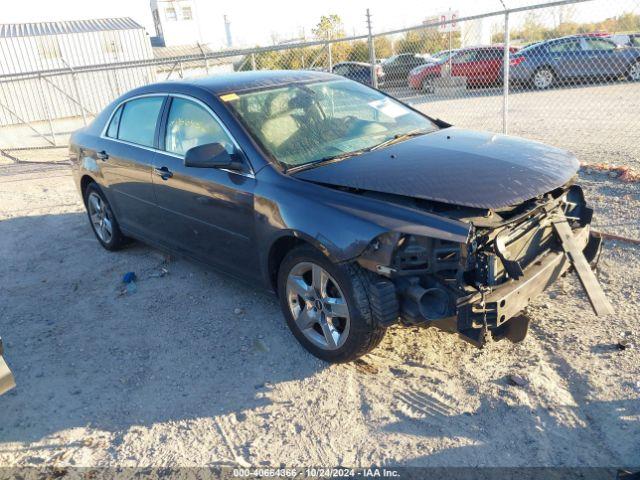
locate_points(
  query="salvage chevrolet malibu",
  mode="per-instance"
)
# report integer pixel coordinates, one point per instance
(357, 210)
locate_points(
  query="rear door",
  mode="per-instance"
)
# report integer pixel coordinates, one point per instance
(206, 213)
(126, 162)
(567, 58)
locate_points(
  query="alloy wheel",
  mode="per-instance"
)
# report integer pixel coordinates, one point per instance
(318, 306)
(634, 72)
(101, 217)
(543, 78)
(427, 85)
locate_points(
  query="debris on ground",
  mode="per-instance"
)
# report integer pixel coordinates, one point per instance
(517, 380)
(129, 277)
(160, 273)
(621, 172)
(238, 311)
(260, 346)
(624, 344)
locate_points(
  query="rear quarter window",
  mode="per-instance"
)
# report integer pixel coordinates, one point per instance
(112, 131)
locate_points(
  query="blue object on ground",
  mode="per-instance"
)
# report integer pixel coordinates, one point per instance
(129, 277)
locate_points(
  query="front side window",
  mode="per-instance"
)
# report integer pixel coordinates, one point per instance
(138, 120)
(190, 125)
(305, 123)
(567, 46)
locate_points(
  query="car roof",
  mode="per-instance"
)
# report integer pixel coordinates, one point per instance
(240, 81)
(361, 64)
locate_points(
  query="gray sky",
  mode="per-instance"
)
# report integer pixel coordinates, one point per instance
(254, 22)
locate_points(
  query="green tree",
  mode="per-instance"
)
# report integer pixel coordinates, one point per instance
(329, 27)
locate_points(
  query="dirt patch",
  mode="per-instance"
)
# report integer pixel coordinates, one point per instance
(196, 369)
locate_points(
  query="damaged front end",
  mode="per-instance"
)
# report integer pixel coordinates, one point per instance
(478, 289)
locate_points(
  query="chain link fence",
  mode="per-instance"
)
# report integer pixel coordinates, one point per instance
(564, 72)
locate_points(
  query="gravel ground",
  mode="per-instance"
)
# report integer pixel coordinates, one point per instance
(171, 375)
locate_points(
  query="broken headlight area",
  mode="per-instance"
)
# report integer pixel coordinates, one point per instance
(479, 288)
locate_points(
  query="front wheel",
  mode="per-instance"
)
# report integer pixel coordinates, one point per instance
(326, 306)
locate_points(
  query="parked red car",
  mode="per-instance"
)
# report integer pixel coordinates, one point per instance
(481, 65)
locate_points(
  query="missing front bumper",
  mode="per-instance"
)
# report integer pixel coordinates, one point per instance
(498, 314)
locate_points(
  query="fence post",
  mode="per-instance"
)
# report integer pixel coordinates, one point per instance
(505, 77)
(47, 111)
(372, 52)
(253, 61)
(77, 90)
(329, 57)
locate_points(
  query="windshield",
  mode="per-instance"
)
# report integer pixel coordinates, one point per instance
(305, 123)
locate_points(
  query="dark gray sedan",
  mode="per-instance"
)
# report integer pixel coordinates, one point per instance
(357, 210)
(580, 57)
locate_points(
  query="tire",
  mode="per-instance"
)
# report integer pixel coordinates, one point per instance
(102, 218)
(633, 74)
(543, 78)
(427, 85)
(308, 305)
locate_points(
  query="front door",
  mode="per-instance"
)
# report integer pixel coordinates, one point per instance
(206, 213)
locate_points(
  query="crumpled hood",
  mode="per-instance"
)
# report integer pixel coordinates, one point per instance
(455, 166)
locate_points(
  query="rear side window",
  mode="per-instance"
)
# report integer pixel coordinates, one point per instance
(567, 46)
(112, 131)
(138, 120)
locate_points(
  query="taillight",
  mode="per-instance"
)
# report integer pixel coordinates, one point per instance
(516, 60)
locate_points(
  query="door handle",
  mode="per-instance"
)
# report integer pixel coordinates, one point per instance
(163, 172)
(102, 155)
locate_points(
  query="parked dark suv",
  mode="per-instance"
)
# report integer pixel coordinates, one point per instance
(359, 211)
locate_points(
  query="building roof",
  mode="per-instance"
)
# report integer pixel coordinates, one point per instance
(10, 30)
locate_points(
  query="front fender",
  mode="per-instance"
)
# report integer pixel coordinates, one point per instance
(338, 223)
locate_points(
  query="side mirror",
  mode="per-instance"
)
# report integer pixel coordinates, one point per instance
(211, 155)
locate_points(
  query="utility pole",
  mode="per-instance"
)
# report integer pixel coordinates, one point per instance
(372, 52)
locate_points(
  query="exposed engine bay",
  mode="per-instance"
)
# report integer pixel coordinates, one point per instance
(479, 288)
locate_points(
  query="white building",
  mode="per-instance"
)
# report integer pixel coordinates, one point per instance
(34, 59)
(175, 22)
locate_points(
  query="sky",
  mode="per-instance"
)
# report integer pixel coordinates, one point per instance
(255, 22)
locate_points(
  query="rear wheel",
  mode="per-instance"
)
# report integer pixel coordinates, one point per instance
(326, 306)
(102, 219)
(543, 78)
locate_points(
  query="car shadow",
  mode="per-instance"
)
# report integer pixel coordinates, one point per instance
(187, 343)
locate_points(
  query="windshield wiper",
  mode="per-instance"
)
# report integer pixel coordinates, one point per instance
(341, 156)
(400, 137)
(330, 158)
